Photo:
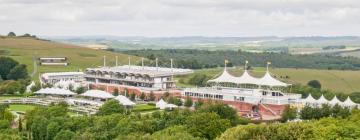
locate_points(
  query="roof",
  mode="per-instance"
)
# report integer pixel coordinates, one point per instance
(349, 102)
(335, 101)
(46, 75)
(309, 99)
(151, 71)
(322, 100)
(268, 80)
(224, 77)
(98, 94)
(54, 91)
(171, 106)
(246, 78)
(124, 101)
(161, 103)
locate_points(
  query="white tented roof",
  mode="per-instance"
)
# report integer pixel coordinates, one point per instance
(55, 91)
(171, 106)
(322, 100)
(309, 99)
(335, 101)
(349, 102)
(224, 77)
(268, 80)
(98, 94)
(124, 101)
(246, 78)
(161, 104)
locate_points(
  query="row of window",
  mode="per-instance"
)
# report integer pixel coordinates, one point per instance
(201, 95)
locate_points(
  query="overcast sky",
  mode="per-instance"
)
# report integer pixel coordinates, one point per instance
(181, 17)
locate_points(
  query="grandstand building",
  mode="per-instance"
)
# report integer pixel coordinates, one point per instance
(56, 77)
(249, 95)
(135, 79)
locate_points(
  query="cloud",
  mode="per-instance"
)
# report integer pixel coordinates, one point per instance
(181, 17)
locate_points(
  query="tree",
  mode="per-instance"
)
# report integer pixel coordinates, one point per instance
(132, 96)
(80, 90)
(152, 96)
(188, 102)
(288, 114)
(11, 34)
(6, 64)
(64, 135)
(198, 80)
(20, 124)
(18, 72)
(4, 124)
(355, 96)
(206, 125)
(314, 84)
(223, 110)
(199, 103)
(116, 92)
(174, 133)
(111, 107)
(166, 95)
(142, 96)
(36, 87)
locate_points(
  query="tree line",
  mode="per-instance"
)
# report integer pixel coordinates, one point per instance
(113, 121)
(197, 59)
(13, 76)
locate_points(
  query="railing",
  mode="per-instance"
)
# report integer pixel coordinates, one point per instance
(48, 101)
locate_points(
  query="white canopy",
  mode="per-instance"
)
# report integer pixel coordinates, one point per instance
(28, 88)
(246, 78)
(82, 101)
(171, 106)
(124, 101)
(268, 80)
(55, 91)
(98, 94)
(161, 104)
(349, 102)
(309, 100)
(224, 77)
(335, 101)
(322, 100)
(65, 84)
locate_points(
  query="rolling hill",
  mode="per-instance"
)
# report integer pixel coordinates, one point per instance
(25, 50)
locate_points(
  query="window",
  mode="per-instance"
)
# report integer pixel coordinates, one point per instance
(239, 98)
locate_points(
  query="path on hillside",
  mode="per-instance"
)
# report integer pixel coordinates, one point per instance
(34, 68)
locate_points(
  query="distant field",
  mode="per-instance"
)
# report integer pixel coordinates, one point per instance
(353, 53)
(335, 80)
(25, 49)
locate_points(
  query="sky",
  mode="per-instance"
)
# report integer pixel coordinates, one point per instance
(167, 18)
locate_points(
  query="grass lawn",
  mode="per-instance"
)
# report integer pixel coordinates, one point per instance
(144, 108)
(25, 49)
(334, 80)
(21, 108)
(10, 97)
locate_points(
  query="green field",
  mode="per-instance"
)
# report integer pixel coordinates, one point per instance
(144, 108)
(21, 108)
(25, 50)
(335, 80)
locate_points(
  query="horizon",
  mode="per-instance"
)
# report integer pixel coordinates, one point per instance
(160, 18)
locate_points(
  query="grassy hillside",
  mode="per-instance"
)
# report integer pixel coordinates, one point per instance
(335, 80)
(25, 49)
